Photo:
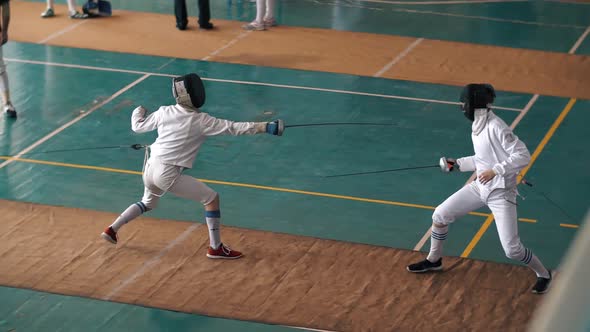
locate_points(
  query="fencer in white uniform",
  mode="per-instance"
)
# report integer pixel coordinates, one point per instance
(499, 157)
(182, 129)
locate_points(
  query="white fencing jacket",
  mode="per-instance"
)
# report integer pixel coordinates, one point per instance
(496, 148)
(181, 131)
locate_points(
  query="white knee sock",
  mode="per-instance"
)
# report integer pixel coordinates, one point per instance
(270, 7)
(132, 212)
(260, 10)
(534, 263)
(50, 4)
(4, 87)
(437, 237)
(213, 223)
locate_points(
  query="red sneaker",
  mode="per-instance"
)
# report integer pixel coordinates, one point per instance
(110, 235)
(223, 252)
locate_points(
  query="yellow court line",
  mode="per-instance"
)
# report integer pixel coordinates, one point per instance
(534, 157)
(527, 220)
(54, 163)
(246, 185)
(569, 225)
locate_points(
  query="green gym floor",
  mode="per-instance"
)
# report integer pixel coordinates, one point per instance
(70, 98)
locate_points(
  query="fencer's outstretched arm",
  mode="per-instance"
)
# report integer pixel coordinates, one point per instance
(213, 126)
(140, 123)
(519, 156)
(466, 164)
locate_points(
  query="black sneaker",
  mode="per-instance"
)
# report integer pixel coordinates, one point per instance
(9, 110)
(542, 284)
(425, 266)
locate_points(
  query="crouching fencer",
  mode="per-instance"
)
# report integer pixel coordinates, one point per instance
(499, 157)
(182, 129)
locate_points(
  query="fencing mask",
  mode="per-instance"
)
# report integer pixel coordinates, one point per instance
(189, 91)
(476, 96)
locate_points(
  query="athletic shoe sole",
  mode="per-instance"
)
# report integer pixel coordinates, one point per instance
(546, 289)
(107, 238)
(543, 292)
(438, 268)
(222, 257)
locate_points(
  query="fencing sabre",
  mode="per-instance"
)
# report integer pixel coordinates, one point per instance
(381, 171)
(133, 146)
(446, 165)
(340, 124)
(524, 181)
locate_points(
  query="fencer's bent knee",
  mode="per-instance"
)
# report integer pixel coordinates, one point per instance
(149, 204)
(213, 198)
(441, 218)
(515, 252)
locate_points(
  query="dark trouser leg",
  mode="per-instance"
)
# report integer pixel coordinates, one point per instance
(181, 14)
(204, 14)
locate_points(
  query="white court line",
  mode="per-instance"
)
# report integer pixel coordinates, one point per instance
(435, 101)
(429, 12)
(68, 65)
(399, 57)
(307, 328)
(61, 32)
(450, 2)
(576, 2)
(166, 63)
(76, 119)
(485, 18)
(516, 121)
(152, 262)
(525, 110)
(233, 41)
(573, 2)
(579, 41)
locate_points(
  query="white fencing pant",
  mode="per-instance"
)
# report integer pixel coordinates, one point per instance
(159, 178)
(502, 203)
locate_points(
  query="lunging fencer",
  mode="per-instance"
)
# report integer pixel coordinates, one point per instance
(499, 157)
(182, 129)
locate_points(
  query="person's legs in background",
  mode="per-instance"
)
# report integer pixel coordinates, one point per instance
(181, 14)
(205, 15)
